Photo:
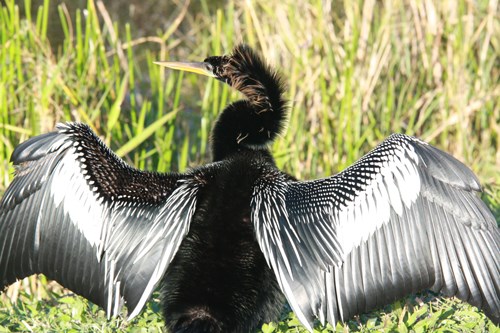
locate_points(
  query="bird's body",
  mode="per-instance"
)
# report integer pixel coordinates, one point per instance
(229, 240)
(241, 287)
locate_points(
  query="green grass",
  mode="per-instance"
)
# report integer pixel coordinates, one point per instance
(356, 71)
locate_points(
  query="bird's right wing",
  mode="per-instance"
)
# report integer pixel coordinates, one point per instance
(78, 214)
(404, 218)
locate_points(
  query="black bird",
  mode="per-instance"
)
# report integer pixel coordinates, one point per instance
(228, 239)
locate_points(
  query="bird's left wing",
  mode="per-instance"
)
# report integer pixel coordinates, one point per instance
(404, 218)
(80, 215)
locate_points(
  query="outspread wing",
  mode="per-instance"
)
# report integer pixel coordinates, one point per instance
(80, 215)
(404, 218)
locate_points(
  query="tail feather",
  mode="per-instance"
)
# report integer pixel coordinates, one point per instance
(197, 320)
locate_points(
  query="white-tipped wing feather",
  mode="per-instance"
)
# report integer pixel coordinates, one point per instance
(81, 216)
(404, 218)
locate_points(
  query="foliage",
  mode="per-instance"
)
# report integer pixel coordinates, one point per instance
(356, 72)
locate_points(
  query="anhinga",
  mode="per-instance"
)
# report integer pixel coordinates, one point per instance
(226, 240)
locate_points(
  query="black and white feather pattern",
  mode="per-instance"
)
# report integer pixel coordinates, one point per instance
(79, 214)
(404, 218)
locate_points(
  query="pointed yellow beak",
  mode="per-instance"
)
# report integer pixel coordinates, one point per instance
(202, 68)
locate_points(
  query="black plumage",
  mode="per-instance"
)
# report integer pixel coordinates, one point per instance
(228, 241)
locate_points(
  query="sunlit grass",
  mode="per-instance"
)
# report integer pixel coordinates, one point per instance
(356, 71)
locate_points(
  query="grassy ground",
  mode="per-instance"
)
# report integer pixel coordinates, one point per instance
(357, 71)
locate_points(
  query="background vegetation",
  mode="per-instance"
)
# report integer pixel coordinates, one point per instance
(357, 71)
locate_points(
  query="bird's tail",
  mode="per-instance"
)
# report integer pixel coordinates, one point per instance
(197, 320)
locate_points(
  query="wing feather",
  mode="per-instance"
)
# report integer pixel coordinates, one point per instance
(81, 216)
(404, 218)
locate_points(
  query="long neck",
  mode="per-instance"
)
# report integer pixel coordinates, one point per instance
(254, 122)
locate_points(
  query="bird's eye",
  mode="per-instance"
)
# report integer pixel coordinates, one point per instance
(210, 68)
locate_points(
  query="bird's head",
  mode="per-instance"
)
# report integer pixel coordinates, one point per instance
(226, 68)
(215, 66)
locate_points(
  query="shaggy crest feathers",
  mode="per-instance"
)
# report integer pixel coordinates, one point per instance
(250, 75)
